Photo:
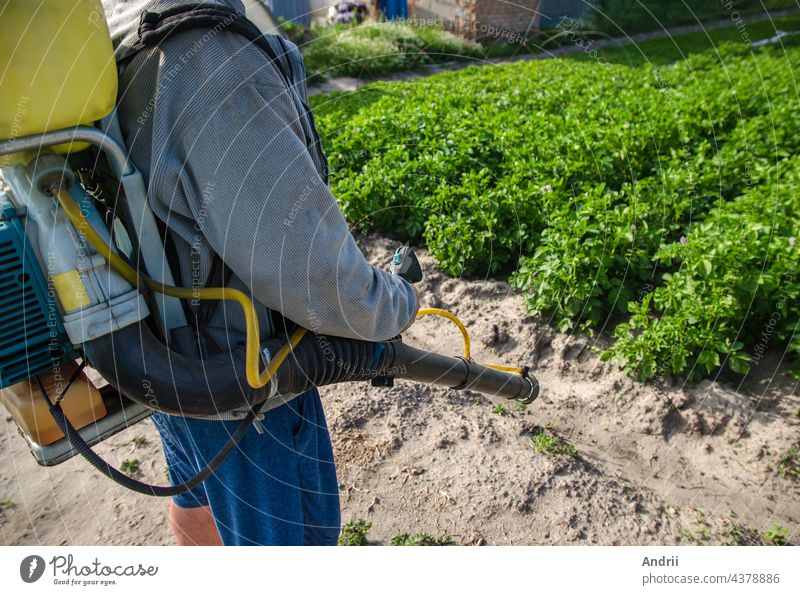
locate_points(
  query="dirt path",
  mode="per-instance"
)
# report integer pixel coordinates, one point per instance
(346, 83)
(654, 466)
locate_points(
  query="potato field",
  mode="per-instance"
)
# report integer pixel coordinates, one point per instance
(660, 204)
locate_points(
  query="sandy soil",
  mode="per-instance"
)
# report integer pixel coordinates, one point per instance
(655, 465)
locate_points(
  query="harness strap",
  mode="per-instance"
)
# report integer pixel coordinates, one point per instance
(155, 27)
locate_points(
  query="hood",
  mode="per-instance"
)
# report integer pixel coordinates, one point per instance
(123, 17)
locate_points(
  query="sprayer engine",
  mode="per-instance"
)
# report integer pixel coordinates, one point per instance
(56, 293)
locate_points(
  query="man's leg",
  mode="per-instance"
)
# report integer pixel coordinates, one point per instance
(193, 526)
(278, 488)
(190, 515)
(317, 474)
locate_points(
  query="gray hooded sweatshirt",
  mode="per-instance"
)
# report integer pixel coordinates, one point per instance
(223, 146)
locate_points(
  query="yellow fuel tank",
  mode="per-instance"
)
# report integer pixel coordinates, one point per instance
(57, 68)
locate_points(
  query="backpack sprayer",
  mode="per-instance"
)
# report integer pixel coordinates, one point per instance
(75, 287)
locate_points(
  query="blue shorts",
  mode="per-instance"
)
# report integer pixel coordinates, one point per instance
(277, 488)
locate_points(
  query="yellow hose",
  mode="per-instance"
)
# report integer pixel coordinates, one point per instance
(255, 378)
(467, 355)
(452, 318)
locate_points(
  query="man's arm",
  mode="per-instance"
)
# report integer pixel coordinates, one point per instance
(262, 206)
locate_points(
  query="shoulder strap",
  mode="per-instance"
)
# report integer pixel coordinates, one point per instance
(219, 276)
(155, 27)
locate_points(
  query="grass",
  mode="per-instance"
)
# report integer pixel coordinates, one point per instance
(613, 17)
(130, 467)
(415, 539)
(7, 503)
(671, 49)
(547, 442)
(372, 49)
(354, 533)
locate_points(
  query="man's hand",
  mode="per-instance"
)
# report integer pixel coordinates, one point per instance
(416, 296)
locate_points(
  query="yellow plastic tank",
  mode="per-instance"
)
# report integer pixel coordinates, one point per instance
(57, 68)
(82, 404)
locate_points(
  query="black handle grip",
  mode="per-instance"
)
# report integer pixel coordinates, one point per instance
(406, 265)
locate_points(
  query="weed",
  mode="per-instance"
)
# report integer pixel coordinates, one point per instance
(547, 442)
(139, 441)
(7, 503)
(521, 407)
(735, 533)
(697, 536)
(728, 532)
(700, 534)
(402, 539)
(355, 533)
(789, 463)
(776, 535)
(499, 410)
(130, 467)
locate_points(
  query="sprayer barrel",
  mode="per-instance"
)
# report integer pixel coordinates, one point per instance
(151, 373)
(458, 373)
(319, 360)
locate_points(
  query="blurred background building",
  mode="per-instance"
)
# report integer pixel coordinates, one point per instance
(475, 19)
(491, 18)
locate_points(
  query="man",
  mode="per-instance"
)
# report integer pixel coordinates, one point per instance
(234, 169)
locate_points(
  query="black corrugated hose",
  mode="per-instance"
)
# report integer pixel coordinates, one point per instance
(79, 444)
